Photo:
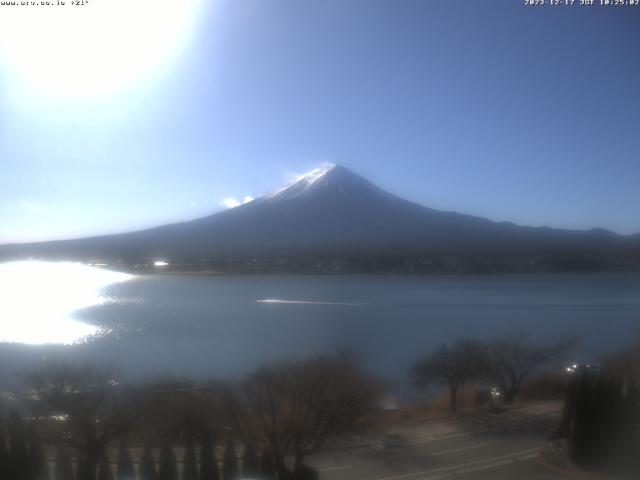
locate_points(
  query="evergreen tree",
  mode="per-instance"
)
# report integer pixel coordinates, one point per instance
(4, 454)
(305, 472)
(63, 470)
(104, 469)
(630, 428)
(249, 462)
(18, 452)
(148, 465)
(190, 463)
(267, 468)
(37, 463)
(230, 462)
(581, 423)
(125, 467)
(208, 460)
(598, 421)
(168, 466)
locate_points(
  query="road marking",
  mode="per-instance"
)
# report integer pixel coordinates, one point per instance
(437, 477)
(484, 467)
(466, 464)
(527, 457)
(446, 437)
(504, 423)
(333, 469)
(461, 449)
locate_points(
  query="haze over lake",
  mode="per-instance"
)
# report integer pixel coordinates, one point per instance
(226, 325)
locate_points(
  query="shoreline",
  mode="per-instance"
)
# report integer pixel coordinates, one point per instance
(217, 273)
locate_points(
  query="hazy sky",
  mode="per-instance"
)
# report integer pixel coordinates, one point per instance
(527, 114)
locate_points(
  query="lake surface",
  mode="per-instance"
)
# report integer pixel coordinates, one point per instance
(227, 325)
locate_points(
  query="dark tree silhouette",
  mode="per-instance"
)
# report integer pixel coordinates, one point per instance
(230, 462)
(453, 366)
(104, 469)
(4, 453)
(97, 409)
(513, 358)
(601, 417)
(125, 468)
(190, 463)
(267, 467)
(168, 466)
(148, 465)
(63, 470)
(250, 462)
(305, 472)
(18, 451)
(208, 461)
(181, 406)
(37, 463)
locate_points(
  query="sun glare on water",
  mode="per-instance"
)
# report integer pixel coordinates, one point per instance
(92, 49)
(39, 298)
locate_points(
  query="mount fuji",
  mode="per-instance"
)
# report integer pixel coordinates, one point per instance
(331, 211)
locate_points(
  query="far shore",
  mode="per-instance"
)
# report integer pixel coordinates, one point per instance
(190, 273)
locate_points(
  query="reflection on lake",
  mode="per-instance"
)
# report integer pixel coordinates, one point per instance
(226, 325)
(39, 298)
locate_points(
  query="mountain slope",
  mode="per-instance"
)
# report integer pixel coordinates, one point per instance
(330, 211)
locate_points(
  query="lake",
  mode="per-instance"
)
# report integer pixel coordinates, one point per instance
(226, 325)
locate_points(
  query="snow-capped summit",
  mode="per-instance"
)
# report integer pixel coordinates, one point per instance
(317, 173)
(325, 180)
(302, 183)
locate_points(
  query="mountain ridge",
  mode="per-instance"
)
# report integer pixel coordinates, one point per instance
(331, 211)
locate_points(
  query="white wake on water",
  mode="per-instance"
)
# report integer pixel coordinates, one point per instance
(308, 302)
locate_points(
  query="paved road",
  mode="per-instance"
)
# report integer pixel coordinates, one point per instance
(491, 447)
(443, 449)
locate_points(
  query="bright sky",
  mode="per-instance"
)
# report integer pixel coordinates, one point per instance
(114, 118)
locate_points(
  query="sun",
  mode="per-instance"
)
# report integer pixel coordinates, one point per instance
(69, 49)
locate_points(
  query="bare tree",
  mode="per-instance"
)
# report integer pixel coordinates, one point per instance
(453, 366)
(296, 408)
(512, 358)
(93, 406)
(181, 409)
